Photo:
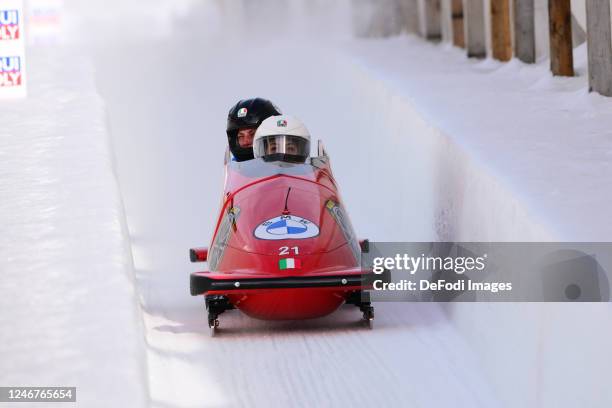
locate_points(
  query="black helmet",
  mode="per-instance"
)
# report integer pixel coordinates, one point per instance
(247, 113)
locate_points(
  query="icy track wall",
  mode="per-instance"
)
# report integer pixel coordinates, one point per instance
(68, 308)
(536, 355)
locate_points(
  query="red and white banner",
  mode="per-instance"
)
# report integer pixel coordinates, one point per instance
(45, 22)
(12, 49)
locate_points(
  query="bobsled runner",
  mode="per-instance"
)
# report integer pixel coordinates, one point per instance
(283, 247)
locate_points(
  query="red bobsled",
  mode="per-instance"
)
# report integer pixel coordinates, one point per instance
(283, 246)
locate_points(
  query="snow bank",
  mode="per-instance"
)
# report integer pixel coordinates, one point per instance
(497, 152)
(68, 309)
(545, 142)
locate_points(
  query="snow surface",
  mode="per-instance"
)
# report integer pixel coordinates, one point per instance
(68, 309)
(547, 140)
(425, 145)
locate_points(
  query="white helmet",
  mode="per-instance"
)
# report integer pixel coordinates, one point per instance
(282, 138)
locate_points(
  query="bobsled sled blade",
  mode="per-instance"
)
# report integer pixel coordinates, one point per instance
(368, 315)
(212, 327)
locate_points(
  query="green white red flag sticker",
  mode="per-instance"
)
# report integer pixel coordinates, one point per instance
(289, 263)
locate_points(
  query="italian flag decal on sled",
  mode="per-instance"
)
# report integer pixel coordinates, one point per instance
(289, 263)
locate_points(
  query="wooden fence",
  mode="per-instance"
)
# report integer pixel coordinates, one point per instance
(512, 33)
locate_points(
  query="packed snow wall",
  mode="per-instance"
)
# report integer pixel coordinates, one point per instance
(68, 308)
(545, 355)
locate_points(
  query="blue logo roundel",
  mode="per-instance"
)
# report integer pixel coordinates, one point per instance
(286, 227)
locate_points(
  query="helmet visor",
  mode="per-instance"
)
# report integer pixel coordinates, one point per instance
(294, 149)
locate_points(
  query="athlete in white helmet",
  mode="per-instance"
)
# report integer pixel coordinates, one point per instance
(282, 138)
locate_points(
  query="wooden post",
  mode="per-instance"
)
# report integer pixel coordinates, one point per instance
(599, 46)
(501, 41)
(410, 12)
(524, 30)
(433, 21)
(457, 20)
(560, 26)
(475, 28)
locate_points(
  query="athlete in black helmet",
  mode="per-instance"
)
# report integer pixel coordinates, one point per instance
(242, 121)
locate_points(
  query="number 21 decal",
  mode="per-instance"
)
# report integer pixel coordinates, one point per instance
(285, 250)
